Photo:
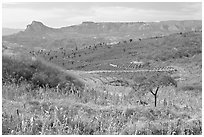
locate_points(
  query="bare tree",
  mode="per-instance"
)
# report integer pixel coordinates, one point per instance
(153, 83)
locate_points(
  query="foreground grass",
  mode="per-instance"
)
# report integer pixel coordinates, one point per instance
(46, 111)
(41, 99)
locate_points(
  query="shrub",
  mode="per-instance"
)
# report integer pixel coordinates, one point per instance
(191, 87)
(38, 73)
(13, 69)
(186, 52)
(153, 83)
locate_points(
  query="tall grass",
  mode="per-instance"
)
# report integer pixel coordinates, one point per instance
(51, 112)
(41, 99)
(36, 72)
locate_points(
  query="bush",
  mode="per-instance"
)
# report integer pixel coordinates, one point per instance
(38, 73)
(191, 87)
(15, 70)
(186, 52)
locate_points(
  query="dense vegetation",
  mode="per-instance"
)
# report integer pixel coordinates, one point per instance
(36, 72)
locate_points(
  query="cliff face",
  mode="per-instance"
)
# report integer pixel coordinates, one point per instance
(36, 27)
(37, 34)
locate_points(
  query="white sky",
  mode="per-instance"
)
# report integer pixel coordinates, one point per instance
(18, 15)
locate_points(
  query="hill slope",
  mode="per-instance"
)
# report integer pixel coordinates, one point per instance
(38, 35)
(10, 31)
(156, 50)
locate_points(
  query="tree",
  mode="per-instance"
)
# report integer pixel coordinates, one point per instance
(74, 54)
(154, 82)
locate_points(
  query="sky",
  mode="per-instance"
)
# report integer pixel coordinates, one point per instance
(61, 14)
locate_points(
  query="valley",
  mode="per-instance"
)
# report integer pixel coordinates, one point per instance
(103, 79)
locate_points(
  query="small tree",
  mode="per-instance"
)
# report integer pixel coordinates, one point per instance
(154, 82)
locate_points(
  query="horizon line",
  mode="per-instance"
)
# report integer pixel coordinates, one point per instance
(89, 21)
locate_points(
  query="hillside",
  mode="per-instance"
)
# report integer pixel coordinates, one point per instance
(39, 97)
(155, 50)
(10, 31)
(95, 90)
(149, 85)
(88, 33)
(181, 50)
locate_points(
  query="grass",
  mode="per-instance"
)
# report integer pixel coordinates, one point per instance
(36, 72)
(191, 87)
(168, 48)
(39, 98)
(45, 111)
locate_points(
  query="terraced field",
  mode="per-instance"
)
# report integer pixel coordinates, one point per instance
(105, 81)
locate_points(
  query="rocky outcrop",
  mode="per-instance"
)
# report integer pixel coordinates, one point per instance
(87, 33)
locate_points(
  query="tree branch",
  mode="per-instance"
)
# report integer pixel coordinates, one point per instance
(151, 91)
(156, 90)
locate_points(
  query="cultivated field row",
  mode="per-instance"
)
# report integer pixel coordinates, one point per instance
(129, 71)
